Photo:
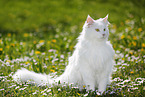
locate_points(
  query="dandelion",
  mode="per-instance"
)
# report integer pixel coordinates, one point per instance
(123, 36)
(54, 40)
(41, 41)
(1, 49)
(84, 86)
(128, 36)
(142, 49)
(134, 38)
(7, 47)
(143, 44)
(34, 42)
(8, 61)
(26, 62)
(134, 43)
(26, 34)
(53, 66)
(9, 34)
(139, 29)
(131, 52)
(24, 43)
(127, 21)
(78, 94)
(71, 47)
(12, 44)
(131, 72)
(37, 52)
(52, 70)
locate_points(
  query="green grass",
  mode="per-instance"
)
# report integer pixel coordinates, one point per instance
(41, 35)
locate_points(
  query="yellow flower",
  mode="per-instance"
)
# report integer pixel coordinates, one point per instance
(123, 36)
(0, 40)
(26, 62)
(142, 49)
(48, 42)
(12, 44)
(9, 61)
(9, 34)
(127, 21)
(143, 44)
(24, 43)
(131, 72)
(139, 29)
(129, 44)
(26, 34)
(53, 66)
(34, 42)
(134, 43)
(37, 52)
(123, 59)
(7, 46)
(134, 38)
(1, 49)
(54, 40)
(128, 37)
(52, 70)
(41, 41)
(131, 52)
(78, 94)
(84, 86)
(71, 47)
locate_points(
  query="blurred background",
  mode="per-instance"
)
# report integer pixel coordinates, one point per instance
(40, 35)
(18, 16)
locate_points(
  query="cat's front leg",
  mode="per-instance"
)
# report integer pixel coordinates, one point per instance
(102, 84)
(89, 81)
(90, 87)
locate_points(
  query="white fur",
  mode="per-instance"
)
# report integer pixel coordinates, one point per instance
(90, 65)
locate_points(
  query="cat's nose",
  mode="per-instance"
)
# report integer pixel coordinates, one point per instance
(103, 34)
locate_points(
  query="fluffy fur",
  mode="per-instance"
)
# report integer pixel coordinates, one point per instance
(91, 63)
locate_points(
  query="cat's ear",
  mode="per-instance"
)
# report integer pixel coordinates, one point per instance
(105, 20)
(89, 20)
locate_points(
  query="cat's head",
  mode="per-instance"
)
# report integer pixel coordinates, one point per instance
(97, 29)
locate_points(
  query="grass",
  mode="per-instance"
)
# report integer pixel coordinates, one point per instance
(40, 36)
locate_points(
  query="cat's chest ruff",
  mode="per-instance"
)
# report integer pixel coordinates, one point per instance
(96, 53)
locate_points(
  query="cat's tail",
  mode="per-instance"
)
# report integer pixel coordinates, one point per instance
(24, 75)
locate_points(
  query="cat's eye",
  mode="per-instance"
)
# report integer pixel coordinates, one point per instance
(97, 30)
(104, 29)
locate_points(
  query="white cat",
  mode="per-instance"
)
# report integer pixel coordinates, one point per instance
(91, 63)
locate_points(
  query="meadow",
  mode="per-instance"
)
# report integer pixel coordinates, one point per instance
(41, 35)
